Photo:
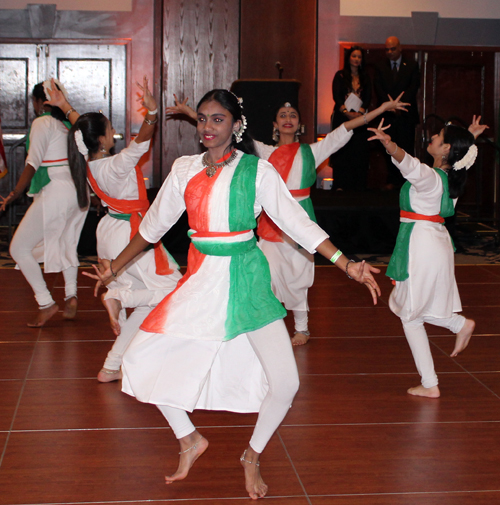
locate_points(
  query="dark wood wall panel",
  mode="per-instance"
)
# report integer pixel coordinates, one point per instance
(200, 52)
(284, 31)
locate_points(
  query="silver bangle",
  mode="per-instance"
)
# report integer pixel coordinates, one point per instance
(346, 270)
(149, 122)
(364, 117)
(69, 112)
(395, 151)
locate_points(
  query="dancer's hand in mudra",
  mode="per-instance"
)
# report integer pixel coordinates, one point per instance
(103, 274)
(379, 133)
(362, 272)
(395, 103)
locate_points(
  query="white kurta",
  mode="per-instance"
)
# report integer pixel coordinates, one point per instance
(117, 178)
(292, 268)
(63, 219)
(188, 366)
(431, 289)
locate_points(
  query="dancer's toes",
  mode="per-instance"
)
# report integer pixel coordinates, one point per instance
(432, 392)
(300, 338)
(70, 308)
(190, 452)
(254, 484)
(43, 316)
(106, 375)
(463, 337)
(113, 307)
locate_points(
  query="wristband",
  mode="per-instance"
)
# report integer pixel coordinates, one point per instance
(336, 256)
(153, 112)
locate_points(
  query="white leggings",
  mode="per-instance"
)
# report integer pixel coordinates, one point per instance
(28, 235)
(301, 319)
(273, 348)
(419, 343)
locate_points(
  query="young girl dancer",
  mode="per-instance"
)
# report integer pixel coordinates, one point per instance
(292, 267)
(218, 341)
(119, 183)
(422, 264)
(50, 230)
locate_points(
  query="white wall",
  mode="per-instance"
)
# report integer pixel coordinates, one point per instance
(477, 9)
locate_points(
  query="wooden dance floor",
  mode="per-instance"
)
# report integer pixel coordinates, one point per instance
(352, 437)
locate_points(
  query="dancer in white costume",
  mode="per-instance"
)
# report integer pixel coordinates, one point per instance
(292, 267)
(422, 264)
(50, 229)
(219, 341)
(119, 183)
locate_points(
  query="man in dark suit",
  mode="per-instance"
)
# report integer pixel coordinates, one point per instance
(395, 75)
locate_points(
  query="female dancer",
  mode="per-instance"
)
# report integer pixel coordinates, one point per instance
(50, 230)
(219, 341)
(119, 183)
(351, 84)
(422, 264)
(292, 267)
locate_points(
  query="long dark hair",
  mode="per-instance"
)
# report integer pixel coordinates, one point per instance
(229, 101)
(346, 71)
(92, 125)
(39, 94)
(460, 140)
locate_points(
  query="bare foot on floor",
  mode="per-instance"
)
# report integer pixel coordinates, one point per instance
(432, 392)
(106, 375)
(113, 307)
(255, 486)
(70, 308)
(192, 447)
(300, 338)
(463, 337)
(43, 316)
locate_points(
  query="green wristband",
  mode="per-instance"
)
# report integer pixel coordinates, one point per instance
(336, 256)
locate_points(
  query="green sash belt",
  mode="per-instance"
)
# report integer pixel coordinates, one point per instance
(39, 180)
(213, 248)
(398, 264)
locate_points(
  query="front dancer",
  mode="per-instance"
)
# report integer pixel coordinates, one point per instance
(422, 264)
(292, 267)
(218, 341)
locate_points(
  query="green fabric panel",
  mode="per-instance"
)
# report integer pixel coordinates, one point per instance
(308, 167)
(447, 207)
(252, 303)
(39, 180)
(242, 195)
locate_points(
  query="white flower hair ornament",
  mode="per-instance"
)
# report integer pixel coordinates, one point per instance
(238, 135)
(468, 160)
(82, 148)
(47, 88)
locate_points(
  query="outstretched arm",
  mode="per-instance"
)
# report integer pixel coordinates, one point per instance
(181, 108)
(148, 101)
(391, 104)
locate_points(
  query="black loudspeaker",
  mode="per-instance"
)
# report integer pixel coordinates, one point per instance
(261, 97)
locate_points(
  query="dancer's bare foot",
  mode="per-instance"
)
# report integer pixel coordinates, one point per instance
(300, 338)
(107, 375)
(70, 308)
(192, 447)
(43, 316)
(463, 337)
(113, 307)
(432, 392)
(255, 486)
